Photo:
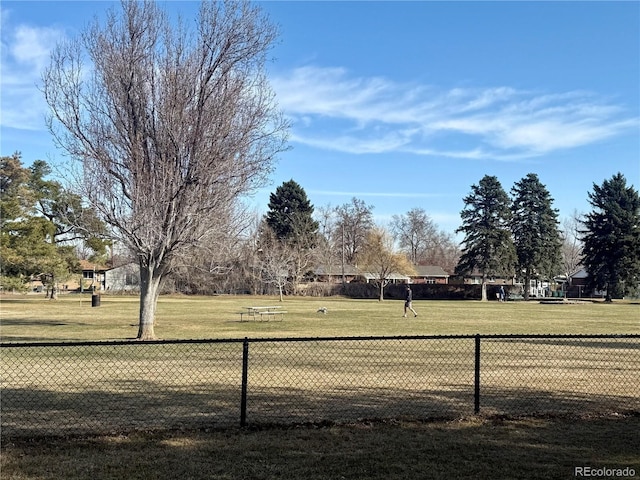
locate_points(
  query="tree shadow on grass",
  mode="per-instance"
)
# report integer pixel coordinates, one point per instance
(494, 448)
(145, 405)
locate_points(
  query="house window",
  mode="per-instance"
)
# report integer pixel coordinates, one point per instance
(87, 274)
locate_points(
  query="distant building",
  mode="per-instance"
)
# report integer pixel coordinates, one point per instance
(429, 274)
(93, 275)
(333, 273)
(475, 278)
(121, 278)
(424, 274)
(124, 278)
(392, 278)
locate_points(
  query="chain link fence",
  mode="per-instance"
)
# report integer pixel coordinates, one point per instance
(111, 387)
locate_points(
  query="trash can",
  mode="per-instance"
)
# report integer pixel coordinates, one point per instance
(95, 300)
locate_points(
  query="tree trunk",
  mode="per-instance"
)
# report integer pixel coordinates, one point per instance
(527, 283)
(607, 298)
(381, 291)
(149, 292)
(483, 298)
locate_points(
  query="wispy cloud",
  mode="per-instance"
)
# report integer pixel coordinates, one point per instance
(334, 110)
(25, 52)
(333, 193)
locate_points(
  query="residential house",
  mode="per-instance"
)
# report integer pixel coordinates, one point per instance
(392, 278)
(579, 288)
(429, 274)
(124, 278)
(475, 278)
(93, 276)
(333, 273)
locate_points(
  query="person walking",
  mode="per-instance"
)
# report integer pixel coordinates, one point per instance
(407, 302)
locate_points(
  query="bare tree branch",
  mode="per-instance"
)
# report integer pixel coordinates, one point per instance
(171, 125)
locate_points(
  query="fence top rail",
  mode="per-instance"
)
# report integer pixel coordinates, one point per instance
(313, 339)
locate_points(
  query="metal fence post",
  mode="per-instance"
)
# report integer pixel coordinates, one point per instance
(245, 371)
(476, 394)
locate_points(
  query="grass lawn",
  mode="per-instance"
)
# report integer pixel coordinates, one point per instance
(487, 446)
(34, 318)
(465, 449)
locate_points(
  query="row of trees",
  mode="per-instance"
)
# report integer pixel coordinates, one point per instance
(46, 229)
(347, 235)
(278, 250)
(519, 236)
(511, 236)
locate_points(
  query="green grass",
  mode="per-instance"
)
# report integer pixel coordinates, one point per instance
(33, 318)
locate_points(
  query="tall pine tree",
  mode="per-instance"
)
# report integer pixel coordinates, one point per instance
(487, 245)
(290, 214)
(290, 219)
(611, 252)
(535, 231)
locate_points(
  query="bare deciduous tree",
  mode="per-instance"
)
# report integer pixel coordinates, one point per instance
(276, 260)
(328, 251)
(171, 125)
(379, 258)
(571, 244)
(355, 219)
(423, 243)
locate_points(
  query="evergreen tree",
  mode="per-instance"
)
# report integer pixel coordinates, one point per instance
(40, 223)
(487, 245)
(290, 214)
(290, 219)
(611, 252)
(535, 231)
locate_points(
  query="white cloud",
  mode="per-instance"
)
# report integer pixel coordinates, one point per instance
(25, 52)
(333, 110)
(31, 45)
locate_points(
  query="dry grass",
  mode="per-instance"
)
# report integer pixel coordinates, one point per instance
(534, 449)
(33, 318)
(131, 385)
(60, 389)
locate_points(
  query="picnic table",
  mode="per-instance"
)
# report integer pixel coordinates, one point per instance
(262, 313)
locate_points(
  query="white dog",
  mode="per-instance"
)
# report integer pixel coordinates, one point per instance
(323, 310)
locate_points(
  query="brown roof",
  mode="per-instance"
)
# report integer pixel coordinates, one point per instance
(429, 271)
(86, 265)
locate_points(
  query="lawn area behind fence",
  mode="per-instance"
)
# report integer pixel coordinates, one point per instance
(103, 387)
(68, 367)
(34, 318)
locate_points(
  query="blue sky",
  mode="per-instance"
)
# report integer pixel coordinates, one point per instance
(407, 104)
